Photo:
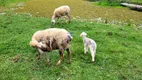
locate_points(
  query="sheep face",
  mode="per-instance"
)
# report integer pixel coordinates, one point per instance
(43, 47)
(83, 34)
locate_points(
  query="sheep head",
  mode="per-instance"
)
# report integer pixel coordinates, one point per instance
(48, 44)
(53, 20)
(83, 34)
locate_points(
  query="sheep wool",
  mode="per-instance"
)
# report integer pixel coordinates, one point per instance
(61, 11)
(51, 39)
(56, 33)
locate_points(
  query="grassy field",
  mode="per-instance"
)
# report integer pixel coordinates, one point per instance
(82, 9)
(79, 9)
(9, 3)
(139, 1)
(118, 57)
(119, 48)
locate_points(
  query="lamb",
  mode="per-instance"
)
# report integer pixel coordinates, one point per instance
(52, 39)
(89, 43)
(59, 12)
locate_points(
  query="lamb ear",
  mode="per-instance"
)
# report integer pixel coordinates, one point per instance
(85, 34)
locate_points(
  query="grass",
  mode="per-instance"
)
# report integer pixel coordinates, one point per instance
(83, 9)
(119, 51)
(137, 1)
(8, 3)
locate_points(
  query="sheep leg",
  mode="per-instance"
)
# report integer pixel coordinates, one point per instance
(85, 48)
(38, 55)
(61, 52)
(92, 54)
(57, 19)
(68, 16)
(69, 55)
(47, 59)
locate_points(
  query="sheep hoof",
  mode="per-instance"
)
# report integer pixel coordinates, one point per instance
(37, 58)
(57, 64)
(93, 62)
(85, 53)
(48, 62)
(69, 62)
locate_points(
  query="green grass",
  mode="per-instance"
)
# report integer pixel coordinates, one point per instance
(137, 1)
(119, 51)
(9, 2)
(115, 3)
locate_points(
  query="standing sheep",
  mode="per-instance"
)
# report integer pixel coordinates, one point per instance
(89, 43)
(52, 39)
(59, 12)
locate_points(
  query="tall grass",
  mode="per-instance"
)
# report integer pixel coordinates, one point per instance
(119, 51)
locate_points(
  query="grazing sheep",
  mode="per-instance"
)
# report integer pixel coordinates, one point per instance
(52, 39)
(89, 43)
(59, 12)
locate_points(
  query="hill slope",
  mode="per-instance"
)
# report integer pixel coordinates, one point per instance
(119, 51)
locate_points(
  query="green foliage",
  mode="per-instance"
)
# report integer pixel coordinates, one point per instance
(119, 51)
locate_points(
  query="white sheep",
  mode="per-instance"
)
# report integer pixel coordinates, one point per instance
(59, 12)
(51, 39)
(89, 43)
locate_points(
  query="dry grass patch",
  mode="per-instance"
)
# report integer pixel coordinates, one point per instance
(83, 9)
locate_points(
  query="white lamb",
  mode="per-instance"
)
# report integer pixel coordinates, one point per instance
(52, 39)
(59, 12)
(89, 43)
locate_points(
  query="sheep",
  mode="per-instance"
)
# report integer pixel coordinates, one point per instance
(89, 43)
(59, 12)
(52, 39)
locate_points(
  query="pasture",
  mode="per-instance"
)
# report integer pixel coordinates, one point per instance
(118, 56)
(83, 9)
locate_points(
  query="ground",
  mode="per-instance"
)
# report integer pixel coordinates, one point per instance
(82, 9)
(118, 57)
